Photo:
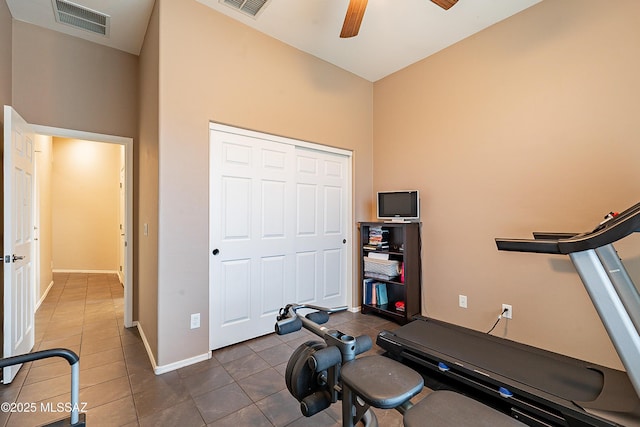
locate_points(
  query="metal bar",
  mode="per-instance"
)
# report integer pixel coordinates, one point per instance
(347, 406)
(73, 360)
(622, 282)
(75, 392)
(612, 312)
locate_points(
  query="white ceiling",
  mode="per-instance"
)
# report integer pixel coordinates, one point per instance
(393, 35)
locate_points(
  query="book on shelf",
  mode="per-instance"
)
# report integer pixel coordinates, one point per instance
(368, 290)
(381, 292)
(380, 247)
(375, 293)
(378, 237)
(374, 298)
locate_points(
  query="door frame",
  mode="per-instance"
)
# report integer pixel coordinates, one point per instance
(221, 127)
(128, 154)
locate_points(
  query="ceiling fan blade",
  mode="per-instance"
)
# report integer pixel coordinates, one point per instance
(353, 19)
(445, 4)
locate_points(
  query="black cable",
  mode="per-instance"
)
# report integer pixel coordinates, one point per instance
(496, 324)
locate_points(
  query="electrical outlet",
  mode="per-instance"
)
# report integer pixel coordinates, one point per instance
(462, 301)
(195, 320)
(509, 313)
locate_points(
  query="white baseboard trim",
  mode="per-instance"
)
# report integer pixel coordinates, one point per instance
(181, 363)
(63, 270)
(46, 292)
(158, 370)
(146, 345)
(355, 309)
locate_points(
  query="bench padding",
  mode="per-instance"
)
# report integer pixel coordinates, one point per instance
(448, 409)
(381, 382)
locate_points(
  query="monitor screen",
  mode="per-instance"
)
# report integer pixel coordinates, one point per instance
(399, 205)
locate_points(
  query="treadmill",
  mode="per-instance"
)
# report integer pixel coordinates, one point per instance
(538, 387)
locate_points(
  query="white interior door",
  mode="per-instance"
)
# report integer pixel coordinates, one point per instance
(321, 227)
(252, 236)
(19, 292)
(278, 230)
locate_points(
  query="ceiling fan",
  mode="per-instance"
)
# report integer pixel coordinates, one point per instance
(356, 9)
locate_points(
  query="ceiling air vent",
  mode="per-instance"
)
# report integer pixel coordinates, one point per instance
(80, 17)
(248, 7)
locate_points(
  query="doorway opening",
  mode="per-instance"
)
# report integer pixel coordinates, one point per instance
(82, 148)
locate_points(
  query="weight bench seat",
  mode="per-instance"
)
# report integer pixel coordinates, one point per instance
(381, 382)
(449, 409)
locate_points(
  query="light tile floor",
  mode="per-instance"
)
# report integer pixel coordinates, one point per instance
(241, 385)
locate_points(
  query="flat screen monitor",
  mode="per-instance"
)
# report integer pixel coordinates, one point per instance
(399, 205)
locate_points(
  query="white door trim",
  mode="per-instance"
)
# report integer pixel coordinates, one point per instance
(283, 139)
(128, 149)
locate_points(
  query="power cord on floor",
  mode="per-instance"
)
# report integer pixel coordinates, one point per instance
(499, 317)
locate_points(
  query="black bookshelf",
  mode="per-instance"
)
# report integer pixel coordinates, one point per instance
(400, 245)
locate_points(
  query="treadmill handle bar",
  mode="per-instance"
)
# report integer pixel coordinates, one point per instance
(73, 360)
(611, 309)
(541, 246)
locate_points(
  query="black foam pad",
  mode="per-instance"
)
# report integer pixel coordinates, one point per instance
(318, 317)
(287, 326)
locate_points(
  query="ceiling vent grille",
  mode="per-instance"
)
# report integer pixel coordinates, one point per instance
(80, 17)
(248, 7)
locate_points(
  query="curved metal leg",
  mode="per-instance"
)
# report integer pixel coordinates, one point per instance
(369, 419)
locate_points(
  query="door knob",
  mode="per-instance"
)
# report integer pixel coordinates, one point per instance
(215, 252)
(15, 257)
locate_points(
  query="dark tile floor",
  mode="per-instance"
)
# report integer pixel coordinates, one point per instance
(241, 385)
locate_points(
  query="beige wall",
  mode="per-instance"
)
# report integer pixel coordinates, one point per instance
(146, 299)
(530, 125)
(44, 163)
(213, 68)
(69, 83)
(85, 207)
